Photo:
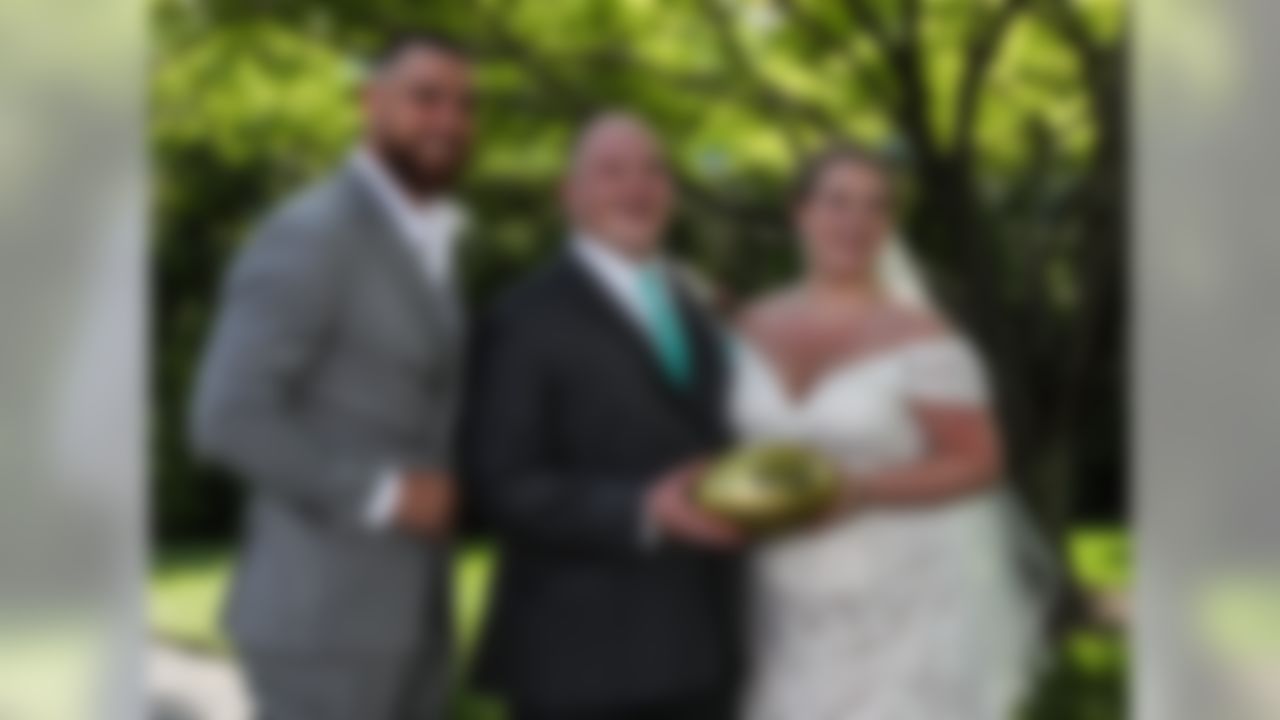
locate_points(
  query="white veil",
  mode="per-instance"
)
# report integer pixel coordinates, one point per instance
(900, 277)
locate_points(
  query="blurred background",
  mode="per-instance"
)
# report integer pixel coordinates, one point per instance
(1008, 118)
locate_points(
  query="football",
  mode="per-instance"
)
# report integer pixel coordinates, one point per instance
(764, 488)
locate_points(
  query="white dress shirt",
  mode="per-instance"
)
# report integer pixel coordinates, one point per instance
(617, 273)
(431, 231)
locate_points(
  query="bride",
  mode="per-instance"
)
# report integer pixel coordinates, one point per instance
(905, 603)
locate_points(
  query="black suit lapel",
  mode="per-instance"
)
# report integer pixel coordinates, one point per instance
(708, 344)
(606, 314)
(699, 399)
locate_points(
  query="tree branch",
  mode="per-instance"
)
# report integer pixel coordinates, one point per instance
(1072, 26)
(903, 52)
(823, 35)
(766, 94)
(982, 53)
(865, 15)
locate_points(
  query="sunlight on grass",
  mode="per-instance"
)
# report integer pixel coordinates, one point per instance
(186, 594)
(472, 573)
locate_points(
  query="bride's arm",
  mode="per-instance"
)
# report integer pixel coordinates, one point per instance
(964, 456)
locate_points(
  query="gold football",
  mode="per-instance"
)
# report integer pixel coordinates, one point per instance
(768, 487)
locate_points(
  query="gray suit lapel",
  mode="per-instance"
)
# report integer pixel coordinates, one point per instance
(435, 304)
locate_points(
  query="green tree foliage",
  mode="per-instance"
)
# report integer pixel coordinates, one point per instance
(1007, 116)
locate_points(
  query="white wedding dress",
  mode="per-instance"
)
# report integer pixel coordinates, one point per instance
(886, 615)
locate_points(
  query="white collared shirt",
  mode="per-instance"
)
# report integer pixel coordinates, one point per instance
(618, 274)
(431, 230)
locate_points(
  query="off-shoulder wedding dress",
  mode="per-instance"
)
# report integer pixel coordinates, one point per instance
(886, 615)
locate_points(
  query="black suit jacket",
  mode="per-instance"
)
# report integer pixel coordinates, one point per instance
(570, 421)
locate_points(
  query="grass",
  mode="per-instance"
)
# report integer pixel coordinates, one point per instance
(185, 596)
(1087, 681)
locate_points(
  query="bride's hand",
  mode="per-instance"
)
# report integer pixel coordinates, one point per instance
(847, 501)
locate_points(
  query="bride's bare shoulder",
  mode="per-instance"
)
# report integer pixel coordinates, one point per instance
(899, 324)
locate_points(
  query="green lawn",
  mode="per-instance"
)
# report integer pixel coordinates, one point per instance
(1087, 682)
(186, 594)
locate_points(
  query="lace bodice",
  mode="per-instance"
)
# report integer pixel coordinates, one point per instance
(860, 411)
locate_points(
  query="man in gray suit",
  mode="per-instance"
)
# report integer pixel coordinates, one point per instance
(329, 387)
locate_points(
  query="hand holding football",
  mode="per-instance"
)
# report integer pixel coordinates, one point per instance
(767, 488)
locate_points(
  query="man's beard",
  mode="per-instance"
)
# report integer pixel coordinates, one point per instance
(417, 178)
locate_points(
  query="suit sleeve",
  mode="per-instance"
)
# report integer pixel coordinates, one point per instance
(509, 444)
(276, 313)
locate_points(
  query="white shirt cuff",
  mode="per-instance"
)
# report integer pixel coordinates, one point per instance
(380, 510)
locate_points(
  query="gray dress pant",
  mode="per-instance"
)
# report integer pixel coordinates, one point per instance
(298, 687)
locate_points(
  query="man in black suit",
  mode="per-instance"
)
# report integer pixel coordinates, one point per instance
(597, 395)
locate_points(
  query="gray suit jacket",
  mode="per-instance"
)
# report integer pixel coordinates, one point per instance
(332, 359)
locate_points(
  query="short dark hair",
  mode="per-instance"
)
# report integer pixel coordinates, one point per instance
(837, 153)
(397, 44)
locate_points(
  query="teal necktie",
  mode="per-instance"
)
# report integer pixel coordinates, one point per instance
(666, 330)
